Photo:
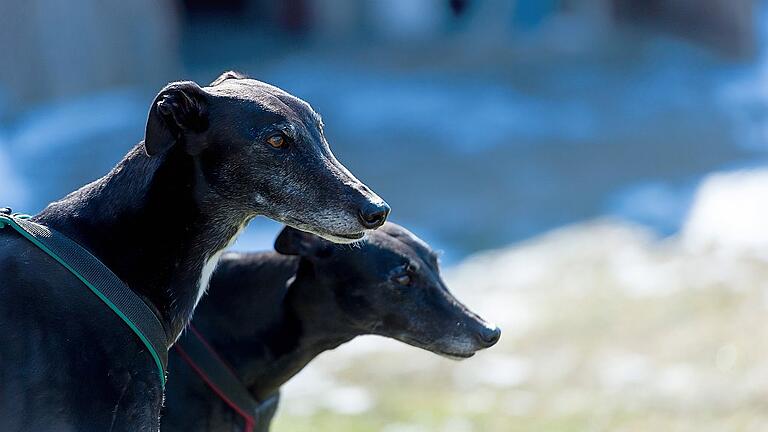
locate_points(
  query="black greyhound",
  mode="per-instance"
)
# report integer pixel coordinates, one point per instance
(212, 159)
(268, 326)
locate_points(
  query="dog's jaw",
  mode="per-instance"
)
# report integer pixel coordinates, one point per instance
(334, 237)
(343, 240)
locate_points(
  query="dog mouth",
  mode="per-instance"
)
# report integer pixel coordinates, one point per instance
(343, 238)
(454, 356)
(350, 237)
(334, 237)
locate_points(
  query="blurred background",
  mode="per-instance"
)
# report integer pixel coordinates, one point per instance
(594, 172)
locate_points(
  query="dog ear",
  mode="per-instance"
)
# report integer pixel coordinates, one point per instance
(292, 241)
(178, 112)
(227, 75)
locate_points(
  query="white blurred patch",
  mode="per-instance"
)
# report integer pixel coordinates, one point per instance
(621, 371)
(727, 357)
(348, 400)
(404, 427)
(477, 401)
(678, 381)
(569, 402)
(730, 215)
(494, 370)
(315, 390)
(457, 424)
(302, 395)
(519, 402)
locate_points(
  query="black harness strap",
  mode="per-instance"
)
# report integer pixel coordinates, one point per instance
(123, 301)
(222, 380)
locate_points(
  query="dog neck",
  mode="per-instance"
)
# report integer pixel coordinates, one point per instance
(156, 224)
(266, 330)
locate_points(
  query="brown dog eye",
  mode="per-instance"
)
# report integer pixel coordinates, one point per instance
(403, 279)
(276, 140)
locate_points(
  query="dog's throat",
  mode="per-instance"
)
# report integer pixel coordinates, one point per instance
(210, 265)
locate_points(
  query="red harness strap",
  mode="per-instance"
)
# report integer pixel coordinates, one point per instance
(248, 418)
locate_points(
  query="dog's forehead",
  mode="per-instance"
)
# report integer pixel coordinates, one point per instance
(400, 240)
(267, 97)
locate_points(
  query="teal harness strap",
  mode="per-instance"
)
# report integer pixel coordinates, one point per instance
(125, 303)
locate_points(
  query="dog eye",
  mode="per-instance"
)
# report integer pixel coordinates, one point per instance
(277, 140)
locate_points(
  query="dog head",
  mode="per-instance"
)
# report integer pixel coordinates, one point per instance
(264, 150)
(389, 285)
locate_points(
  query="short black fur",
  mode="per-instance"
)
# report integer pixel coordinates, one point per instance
(269, 315)
(159, 221)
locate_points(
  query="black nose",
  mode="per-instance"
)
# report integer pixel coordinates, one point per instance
(489, 336)
(374, 215)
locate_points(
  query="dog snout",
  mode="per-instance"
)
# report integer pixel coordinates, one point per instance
(488, 336)
(373, 215)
